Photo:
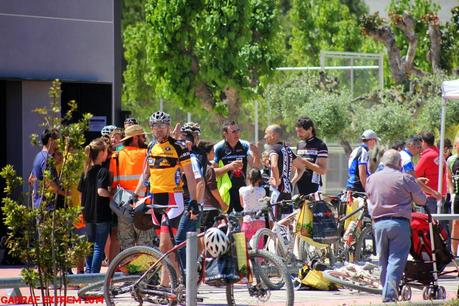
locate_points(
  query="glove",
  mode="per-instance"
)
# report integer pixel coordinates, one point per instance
(194, 207)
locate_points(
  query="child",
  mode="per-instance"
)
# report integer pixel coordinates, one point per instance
(95, 198)
(250, 196)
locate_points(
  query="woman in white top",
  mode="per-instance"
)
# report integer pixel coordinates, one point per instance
(250, 196)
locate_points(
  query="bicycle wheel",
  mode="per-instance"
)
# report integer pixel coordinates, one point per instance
(265, 239)
(92, 290)
(350, 282)
(258, 292)
(364, 247)
(269, 240)
(128, 267)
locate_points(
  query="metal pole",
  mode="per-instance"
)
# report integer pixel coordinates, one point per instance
(440, 157)
(352, 78)
(191, 271)
(161, 104)
(322, 60)
(256, 123)
(381, 71)
(188, 117)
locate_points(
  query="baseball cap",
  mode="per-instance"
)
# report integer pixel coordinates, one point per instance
(370, 134)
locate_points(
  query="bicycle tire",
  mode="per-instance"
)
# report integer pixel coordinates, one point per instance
(259, 282)
(359, 253)
(125, 262)
(259, 237)
(89, 290)
(350, 284)
(266, 232)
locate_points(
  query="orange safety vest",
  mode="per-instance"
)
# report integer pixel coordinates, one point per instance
(130, 165)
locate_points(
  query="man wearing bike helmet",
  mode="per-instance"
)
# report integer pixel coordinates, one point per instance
(167, 159)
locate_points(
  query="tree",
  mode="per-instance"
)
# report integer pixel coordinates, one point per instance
(208, 53)
(415, 32)
(325, 25)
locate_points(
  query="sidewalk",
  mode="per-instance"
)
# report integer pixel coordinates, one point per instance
(343, 297)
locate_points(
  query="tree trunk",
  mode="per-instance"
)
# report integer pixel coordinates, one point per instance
(233, 102)
(407, 24)
(435, 42)
(346, 146)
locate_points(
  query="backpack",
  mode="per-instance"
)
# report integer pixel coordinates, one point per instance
(420, 240)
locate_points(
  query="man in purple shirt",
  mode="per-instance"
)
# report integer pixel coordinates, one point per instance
(390, 193)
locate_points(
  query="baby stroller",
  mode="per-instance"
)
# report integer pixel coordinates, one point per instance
(430, 258)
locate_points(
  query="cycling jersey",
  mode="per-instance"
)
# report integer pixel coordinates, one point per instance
(284, 164)
(228, 154)
(166, 160)
(311, 149)
(453, 164)
(359, 156)
(407, 163)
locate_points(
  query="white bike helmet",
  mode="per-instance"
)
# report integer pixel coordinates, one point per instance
(216, 242)
(160, 117)
(191, 128)
(107, 130)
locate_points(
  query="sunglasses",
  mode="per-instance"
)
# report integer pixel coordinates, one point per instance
(235, 131)
(159, 125)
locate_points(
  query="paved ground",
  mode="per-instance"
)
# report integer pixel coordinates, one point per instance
(216, 296)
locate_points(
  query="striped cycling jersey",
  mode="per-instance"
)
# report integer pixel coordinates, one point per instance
(311, 149)
(165, 161)
(359, 156)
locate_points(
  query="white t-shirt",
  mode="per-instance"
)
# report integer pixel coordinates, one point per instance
(251, 196)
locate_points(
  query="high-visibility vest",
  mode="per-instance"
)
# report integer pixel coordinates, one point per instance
(130, 167)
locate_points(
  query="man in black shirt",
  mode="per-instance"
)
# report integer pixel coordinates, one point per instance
(233, 155)
(314, 153)
(281, 159)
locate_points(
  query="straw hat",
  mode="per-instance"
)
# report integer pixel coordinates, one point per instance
(133, 130)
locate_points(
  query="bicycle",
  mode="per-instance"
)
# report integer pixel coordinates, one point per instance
(280, 238)
(134, 275)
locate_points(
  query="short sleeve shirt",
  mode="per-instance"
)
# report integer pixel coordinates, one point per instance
(311, 149)
(227, 154)
(251, 196)
(284, 164)
(166, 161)
(210, 184)
(358, 157)
(407, 163)
(38, 170)
(96, 208)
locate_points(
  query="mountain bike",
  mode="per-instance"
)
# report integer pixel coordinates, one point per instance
(134, 275)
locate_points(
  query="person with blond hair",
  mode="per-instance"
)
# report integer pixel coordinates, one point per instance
(94, 186)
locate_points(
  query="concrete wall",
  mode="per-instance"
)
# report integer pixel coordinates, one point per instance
(66, 39)
(34, 94)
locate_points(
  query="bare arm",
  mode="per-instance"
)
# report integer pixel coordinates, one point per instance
(254, 160)
(191, 182)
(273, 159)
(363, 175)
(320, 167)
(102, 192)
(141, 189)
(199, 189)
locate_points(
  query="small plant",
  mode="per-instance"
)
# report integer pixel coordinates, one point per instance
(43, 237)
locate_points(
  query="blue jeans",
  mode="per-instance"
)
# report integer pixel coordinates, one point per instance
(393, 243)
(186, 225)
(97, 233)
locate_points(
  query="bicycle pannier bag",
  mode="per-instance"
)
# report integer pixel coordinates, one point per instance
(304, 221)
(221, 271)
(120, 204)
(324, 227)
